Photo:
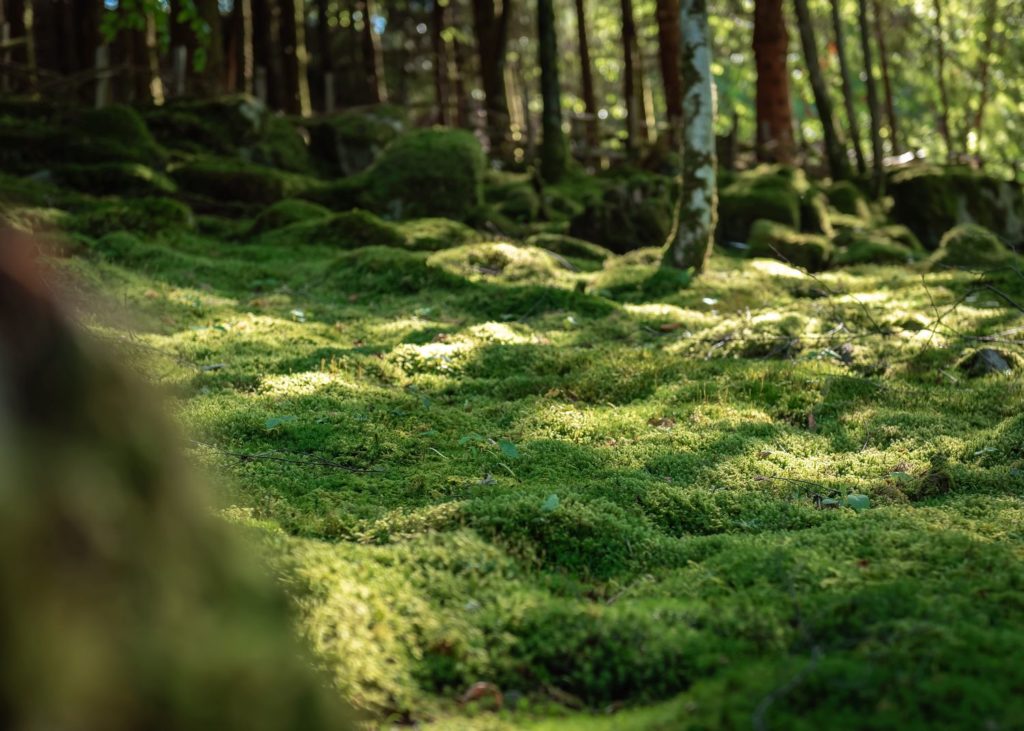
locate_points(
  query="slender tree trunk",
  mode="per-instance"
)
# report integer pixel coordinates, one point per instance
(212, 74)
(323, 43)
(877, 174)
(644, 97)
(459, 62)
(373, 63)
(844, 70)
(629, 75)
(991, 10)
(696, 214)
(774, 113)
(296, 59)
(552, 147)
(940, 52)
(834, 151)
(669, 41)
(491, 30)
(247, 51)
(587, 77)
(440, 61)
(883, 55)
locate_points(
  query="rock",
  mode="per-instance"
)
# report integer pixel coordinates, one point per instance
(970, 246)
(631, 213)
(778, 241)
(986, 361)
(767, 195)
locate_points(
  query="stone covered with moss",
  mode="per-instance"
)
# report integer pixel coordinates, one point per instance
(766, 195)
(846, 197)
(628, 213)
(219, 180)
(970, 246)
(771, 239)
(433, 234)
(140, 215)
(569, 246)
(115, 178)
(351, 142)
(348, 230)
(285, 212)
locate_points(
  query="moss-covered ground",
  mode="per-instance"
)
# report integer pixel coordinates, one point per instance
(763, 499)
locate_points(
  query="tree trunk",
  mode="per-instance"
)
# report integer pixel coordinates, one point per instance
(696, 213)
(629, 74)
(373, 63)
(587, 77)
(877, 174)
(211, 78)
(883, 56)
(491, 30)
(991, 10)
(844, 71)
(440, 61)
(246, 55)
(459, 63)
(296, 59)
(834, 151)
(940, 51)
(774, 115)
(667, 13)
(552, 146)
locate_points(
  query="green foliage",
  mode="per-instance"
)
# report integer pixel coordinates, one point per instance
(430, 172)
(771, 239)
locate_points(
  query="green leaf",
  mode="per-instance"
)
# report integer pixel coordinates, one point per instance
(858, 502)
(276, 421)
(508, 449)
(550, 504)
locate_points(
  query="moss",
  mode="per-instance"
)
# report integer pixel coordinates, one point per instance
(115, 178)
(970, 246)
(763, 196)
(348, 230)
(513, 195)
(281, 145)
(847, 198)
(431, 172)
(815, 216)
(349, 143)
(433, 234)
(902, 235)
(227, 180)
(872, 248)
(141, 215)
(500, 261)
(339, 195)
(569, 246)
(639, 282)
(771, 239)
(114, 133)
(286, 212)
(634, 212)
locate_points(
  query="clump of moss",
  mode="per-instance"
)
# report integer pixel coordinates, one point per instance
(631, 213)
(141, 215)
(281, 145)
(115, 178)
(351, 142)
(228, 180)
(286, 212)
(775, 240)
(433, 234)
(342, 194)
(638, 282)
(208, 125)
(499, 260)
(751, 197)
(348, 230)
(815, 216)
(970, 246)
(114, 133)
(901, 234)
(430, 172)
(513, 195)
(872, 247)
(847, 198)
(569, 246)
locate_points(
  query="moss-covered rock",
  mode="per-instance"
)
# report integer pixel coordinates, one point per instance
(115, 178)
(434, 234)
(286, 212)
(430, 172)
(229, 180)
(815, 216)
(348, 230)
(112, 134)
(281, 145)
(631, 213)
(901, 234)
(499, 261)
(766, 196)
(513, 195)
(342, 194)
(569, 246)
(139, 215)
(627, 280)
(847, 198)
(351, 142)
(931, 200)
(872, 248)
(775, 240)
(219, 126)
(970, 246)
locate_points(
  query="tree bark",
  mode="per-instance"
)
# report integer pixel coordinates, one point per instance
(991, 9)
(690, 242)
(877, 174)
(844, 71)
(248, 65)
(295, 57)
(440, 52)
(940, 52)
(552, 146)
(883, 56)
(373, 63)
(669, 41)
(834, 152)
(774, 113)
(491, 31)
(629, 75)
(265, 44)
(211, 78)
(587, 77)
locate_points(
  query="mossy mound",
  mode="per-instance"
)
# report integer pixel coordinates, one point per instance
(815, 216)
(348, 230)
(931, 200)
(500, 261)
(281, 145)
(112, 134)
(777, 241)
(631, 213)
(115, 178)
(351, 142)
(630, 280)
(430, 172)
(285, 212)
(902, 234)
(847, 198)
(760, 195)
(339, 195)
(570, 246)
(221, 180)
(513, 195)
(219, 126)
(872, 248)
(139, 215)
(970, 246)
(434, 234)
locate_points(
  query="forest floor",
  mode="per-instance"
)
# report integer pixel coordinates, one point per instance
(765, 500)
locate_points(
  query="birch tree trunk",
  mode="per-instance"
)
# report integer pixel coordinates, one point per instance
(693, 234)
(844, 71)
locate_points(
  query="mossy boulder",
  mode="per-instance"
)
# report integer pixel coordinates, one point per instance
(351, 142)
(628, 280)
(569, 246)
(777, 241)
(430, 172)
(872, 248)
(500, 261)
(847, 198)
(815, 216)
(513, 196)
(434, 234)
(139, 215)
(342, 194)
(631, 213)
(229, 180)
(769, 197)
(286, 212)
(970, 246)
(115, 178)
(112, 134)
(219, 126)
(930, 200)
(281, 145)
(348, 230)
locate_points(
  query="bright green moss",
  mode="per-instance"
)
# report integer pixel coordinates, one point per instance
(349, 230)
(501, 261)
(872, 249)
(570, 246)
(141, 216)
(970, 246)
(775, 240)
(847, 198)
(432, 234)
(764, 196)
(286, 212)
